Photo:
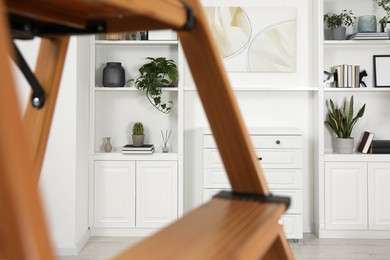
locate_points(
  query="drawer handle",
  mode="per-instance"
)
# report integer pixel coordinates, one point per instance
(260, 158)
(277, 141)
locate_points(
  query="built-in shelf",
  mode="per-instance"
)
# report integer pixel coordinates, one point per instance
(118, 156)
(126, 43)
(125, 89)
(357, 89)
(362, 43)
(355, 157)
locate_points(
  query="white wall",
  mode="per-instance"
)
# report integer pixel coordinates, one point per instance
(64, 201)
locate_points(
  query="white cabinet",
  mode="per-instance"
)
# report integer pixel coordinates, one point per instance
(378, 197)
(356, 199)
(114, 194)
(156, 193)
(133, 196)
(346, 195)
(280, 154)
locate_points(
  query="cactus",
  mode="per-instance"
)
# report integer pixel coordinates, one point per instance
(138, 128)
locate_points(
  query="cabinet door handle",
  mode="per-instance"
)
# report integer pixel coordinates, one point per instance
(277, 141)
(260, 158)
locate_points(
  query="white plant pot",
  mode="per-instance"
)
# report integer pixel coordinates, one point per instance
(344, 145)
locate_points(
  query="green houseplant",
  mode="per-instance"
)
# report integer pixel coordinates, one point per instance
(335, 22)
(155, 75)
(385, 4)
(341, 121)
(138, 134)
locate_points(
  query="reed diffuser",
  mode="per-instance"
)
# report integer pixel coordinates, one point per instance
(165, 137)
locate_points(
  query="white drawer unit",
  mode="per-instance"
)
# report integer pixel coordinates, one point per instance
(280, 155)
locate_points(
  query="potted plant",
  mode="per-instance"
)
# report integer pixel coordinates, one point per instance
(385, 4)
(341, 120)
(155, 75)
(138, 134)
(335, 22)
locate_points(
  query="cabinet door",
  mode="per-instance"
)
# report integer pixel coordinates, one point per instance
(156, 193)
(346, 196)
(114, 194)
(378, 196)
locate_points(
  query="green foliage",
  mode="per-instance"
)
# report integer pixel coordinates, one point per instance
(334, 20)
(385, 4)
(138, 128)
(155, 75)
(341, 120)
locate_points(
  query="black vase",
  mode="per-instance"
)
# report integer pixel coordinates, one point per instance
(113, 75)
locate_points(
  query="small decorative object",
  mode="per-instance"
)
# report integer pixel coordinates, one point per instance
(341, 121)
(385, 4)
(362, 74)
(107, 146)
(155, 75)
(138, 134)
(115, 36)
(165, 138)
(366, 24)
(335, 21)
(113, 75)
(381, 71)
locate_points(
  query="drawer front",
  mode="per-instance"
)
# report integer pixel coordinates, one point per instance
(270, 158)
(276, 178)
(264, 141)
(293, 226)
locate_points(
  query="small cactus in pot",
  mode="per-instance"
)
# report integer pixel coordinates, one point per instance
(138, 134)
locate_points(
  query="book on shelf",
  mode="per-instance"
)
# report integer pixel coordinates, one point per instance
(381, 143)
(131, 147)
(368, 36)
(138, 151)
(346, 76)
(380, 147)
(366, 141)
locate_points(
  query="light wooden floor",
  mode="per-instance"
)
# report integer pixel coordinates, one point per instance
(310, 247)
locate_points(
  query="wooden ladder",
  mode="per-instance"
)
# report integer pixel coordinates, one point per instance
(238, 225)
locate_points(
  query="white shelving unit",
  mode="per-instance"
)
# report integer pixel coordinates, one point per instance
(347, 195)
(113, 112)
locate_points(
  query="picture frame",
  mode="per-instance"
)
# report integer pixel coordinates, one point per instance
(381, 71)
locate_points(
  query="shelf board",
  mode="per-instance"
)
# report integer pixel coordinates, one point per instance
(265, 89)
(362, 43)
(127, 43)
(118, 156)
(356, 89)
(127, 89)
(356, 157)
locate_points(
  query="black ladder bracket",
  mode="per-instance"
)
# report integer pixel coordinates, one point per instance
(38, 96)
(253, 197)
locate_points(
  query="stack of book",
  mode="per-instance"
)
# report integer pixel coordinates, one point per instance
(365, 143)
(368, 36)
(380, 146)
(132, 149)
(346, 76)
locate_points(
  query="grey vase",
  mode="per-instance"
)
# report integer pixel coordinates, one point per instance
(338, 33)
(113, 75)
